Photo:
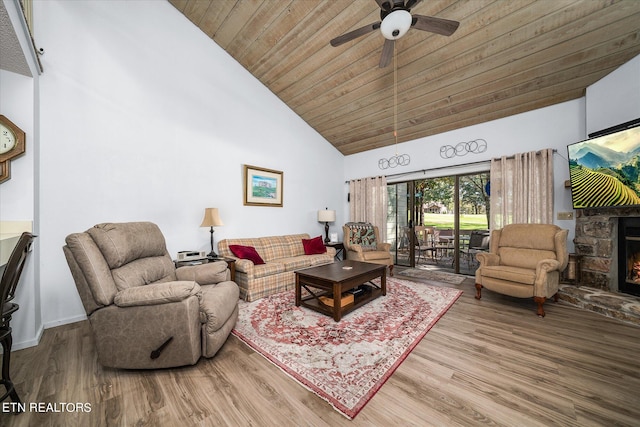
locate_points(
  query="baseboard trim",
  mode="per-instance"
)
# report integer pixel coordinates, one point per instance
(29, 343)
(60, 322)
(36, 339)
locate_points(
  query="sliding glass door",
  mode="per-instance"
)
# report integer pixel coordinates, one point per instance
(430, 221)
(399, 222)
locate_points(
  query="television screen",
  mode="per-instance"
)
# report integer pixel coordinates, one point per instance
(605, 170)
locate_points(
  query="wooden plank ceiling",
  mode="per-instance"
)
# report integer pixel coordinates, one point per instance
(507, 57)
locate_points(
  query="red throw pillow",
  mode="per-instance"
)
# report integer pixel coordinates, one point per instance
(246, 252)
(314, 246)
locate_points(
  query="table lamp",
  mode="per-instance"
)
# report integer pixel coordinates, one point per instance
(211, 219)
(326, 216)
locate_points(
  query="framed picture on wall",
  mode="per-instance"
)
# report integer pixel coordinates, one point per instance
(262, 187)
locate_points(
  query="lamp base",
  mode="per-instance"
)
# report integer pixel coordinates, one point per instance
(212, 254)
(326, 232)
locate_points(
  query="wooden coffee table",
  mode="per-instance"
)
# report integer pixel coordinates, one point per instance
(331, 280)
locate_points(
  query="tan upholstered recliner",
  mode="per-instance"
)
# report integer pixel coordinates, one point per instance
(144, 312)
(524, 260)
(362, 243)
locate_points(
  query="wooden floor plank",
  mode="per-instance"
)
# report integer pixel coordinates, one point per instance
(486, 362)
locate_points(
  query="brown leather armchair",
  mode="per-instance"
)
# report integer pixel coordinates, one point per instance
(524, 260)
(362, 243)
(145, 313)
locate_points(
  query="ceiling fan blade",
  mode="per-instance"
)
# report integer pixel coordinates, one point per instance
(411, 3)
(354, 34)
(384, 4)
(387, 53)
(435, 25)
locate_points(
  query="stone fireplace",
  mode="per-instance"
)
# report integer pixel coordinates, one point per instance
(600, 268)
(601, 247)
(629, 255)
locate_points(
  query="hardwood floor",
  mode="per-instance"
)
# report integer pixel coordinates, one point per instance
(487, 362)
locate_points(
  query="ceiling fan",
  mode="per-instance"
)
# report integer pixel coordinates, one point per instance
(396, 19)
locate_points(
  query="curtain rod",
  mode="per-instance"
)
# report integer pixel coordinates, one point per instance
(395, 175)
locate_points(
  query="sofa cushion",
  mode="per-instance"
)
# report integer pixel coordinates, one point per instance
(314, 246)
(124, 242)
(264, 270)
(276, 247)
(296, 262)
(522, 257)
(320, 259)
(520, 236)
(372, 255)
(246, 252)
(512, 274)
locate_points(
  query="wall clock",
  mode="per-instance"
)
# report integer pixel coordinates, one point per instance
(12, 145)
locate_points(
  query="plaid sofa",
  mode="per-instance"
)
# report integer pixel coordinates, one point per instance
(282, 256)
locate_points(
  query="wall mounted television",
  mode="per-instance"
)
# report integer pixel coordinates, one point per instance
(604, 170)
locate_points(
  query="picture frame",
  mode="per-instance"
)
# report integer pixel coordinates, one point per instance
(262, 187)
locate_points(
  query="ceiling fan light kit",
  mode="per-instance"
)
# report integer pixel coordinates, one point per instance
(396, 24)
(396, 20)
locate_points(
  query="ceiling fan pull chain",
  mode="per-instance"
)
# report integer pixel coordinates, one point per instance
(395, 96)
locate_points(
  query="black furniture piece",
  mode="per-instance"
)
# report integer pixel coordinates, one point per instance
(339, 247)
(8, 285)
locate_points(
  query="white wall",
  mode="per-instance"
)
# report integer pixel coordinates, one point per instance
(144, 118)
(552, 127)
(615, 98)
(18, 195)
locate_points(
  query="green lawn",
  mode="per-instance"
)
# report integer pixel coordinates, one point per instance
(467, 222)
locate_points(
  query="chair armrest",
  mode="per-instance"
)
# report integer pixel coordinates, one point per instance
(546, 265)
(384, 247)
(156, 293)
(244, 265)
(355, 248)
(543, 285)
(205, 274)
(487, 258)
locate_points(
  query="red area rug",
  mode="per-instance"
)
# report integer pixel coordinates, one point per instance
(345, 362)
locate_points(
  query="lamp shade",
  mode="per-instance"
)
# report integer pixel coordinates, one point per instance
(326, 216)
(396, 24)
(211, 218)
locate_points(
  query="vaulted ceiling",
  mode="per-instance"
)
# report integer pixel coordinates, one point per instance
(507, 57)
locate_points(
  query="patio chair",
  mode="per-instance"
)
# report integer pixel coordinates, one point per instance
(478, 242)
(444, 243)
(424, 242)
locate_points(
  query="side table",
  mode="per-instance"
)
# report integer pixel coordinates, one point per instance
(339, 247)
(231, 264)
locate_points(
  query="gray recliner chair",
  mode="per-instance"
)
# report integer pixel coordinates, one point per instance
(145, 313)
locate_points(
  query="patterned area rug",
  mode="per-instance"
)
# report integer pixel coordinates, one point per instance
(437, 276)
(345, 362)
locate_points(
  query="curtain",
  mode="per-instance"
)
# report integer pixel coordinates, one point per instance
(522, 189)
(368, 202)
